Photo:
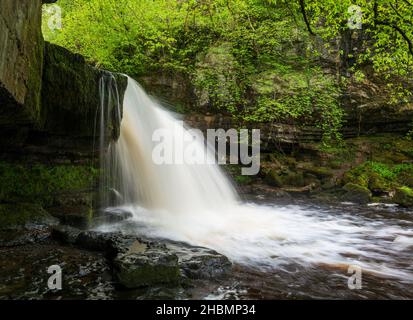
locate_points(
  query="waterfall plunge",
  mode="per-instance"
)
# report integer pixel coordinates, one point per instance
(176, 188)
(198, 205)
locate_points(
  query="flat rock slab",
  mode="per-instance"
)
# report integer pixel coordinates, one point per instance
(200, 262)
(149, 265)
(139, 262)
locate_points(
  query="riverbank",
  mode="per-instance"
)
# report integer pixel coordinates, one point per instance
(98, 265)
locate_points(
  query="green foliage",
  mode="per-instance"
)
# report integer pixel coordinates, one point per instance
(404, 197)
(18, 215)
(309, 98)
(243, 179)
(39, 183)
(407, 190)
(253, 59)
(387, 26)
(383, 176)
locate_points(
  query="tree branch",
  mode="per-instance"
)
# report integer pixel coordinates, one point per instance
(400, 31)
(304, 13)
(408, 3)
(392, 25)
(400, 16)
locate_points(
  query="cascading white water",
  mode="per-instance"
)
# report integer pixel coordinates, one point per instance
(197, 204)
(177, 188)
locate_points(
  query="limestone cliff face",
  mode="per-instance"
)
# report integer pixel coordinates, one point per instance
(49, 97)
(71, 96)
(49, 102)
(21, 61)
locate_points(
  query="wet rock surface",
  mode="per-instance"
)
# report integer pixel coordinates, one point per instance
(404, 197)
(23, 224)
(23, 273)
(199, 262)
(22, 236)
(138, 262)
(357, 194)
(64, 74)
(98, 265)
(92, 263)
(145, 265)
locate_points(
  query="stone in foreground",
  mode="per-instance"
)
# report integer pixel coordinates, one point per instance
(404, 197)
(200, 262)
(356, 193)
(144, 265)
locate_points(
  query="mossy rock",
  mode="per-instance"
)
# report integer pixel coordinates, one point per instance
(283, 178)
(335, 164)
(146, 268)
(17, 216)
(294, 179)
(355, 178)
(319, 172)
(405, 178)
(42, 184)
(378, 185)
(404, 197)
(273, 179)
(243, 180)
(356, 193)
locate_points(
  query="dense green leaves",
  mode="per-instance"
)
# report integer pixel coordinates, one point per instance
(255, 59)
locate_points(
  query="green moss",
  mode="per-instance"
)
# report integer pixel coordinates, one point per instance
(148, 275)
(273, 179)
(18, 215)
(285, 177)
(378, 184)
(408, 191)
(243, 179)
(404, 197)
(293, 179)
(139, 270)
(38, 183)
(319, 172)
(379, 176)
(356, 193)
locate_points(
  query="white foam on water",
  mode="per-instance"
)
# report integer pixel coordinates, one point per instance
(197, 204)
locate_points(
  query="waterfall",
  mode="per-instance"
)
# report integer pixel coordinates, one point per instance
(197, 204)
(178, 188)
(109, 114)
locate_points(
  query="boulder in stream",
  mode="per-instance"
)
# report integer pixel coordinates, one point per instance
(139, 262)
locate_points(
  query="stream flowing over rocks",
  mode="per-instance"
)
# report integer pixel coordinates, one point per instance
(290, 232)
(97, 265)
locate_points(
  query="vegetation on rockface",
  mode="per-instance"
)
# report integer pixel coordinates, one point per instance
(41, 184)
(49, 106)
(258, 60)
(18, 215)
(376, 168)
(385, 167)
(293, 62)
(404, 196)
(380, 177)
(71, 95)
(356, 193)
